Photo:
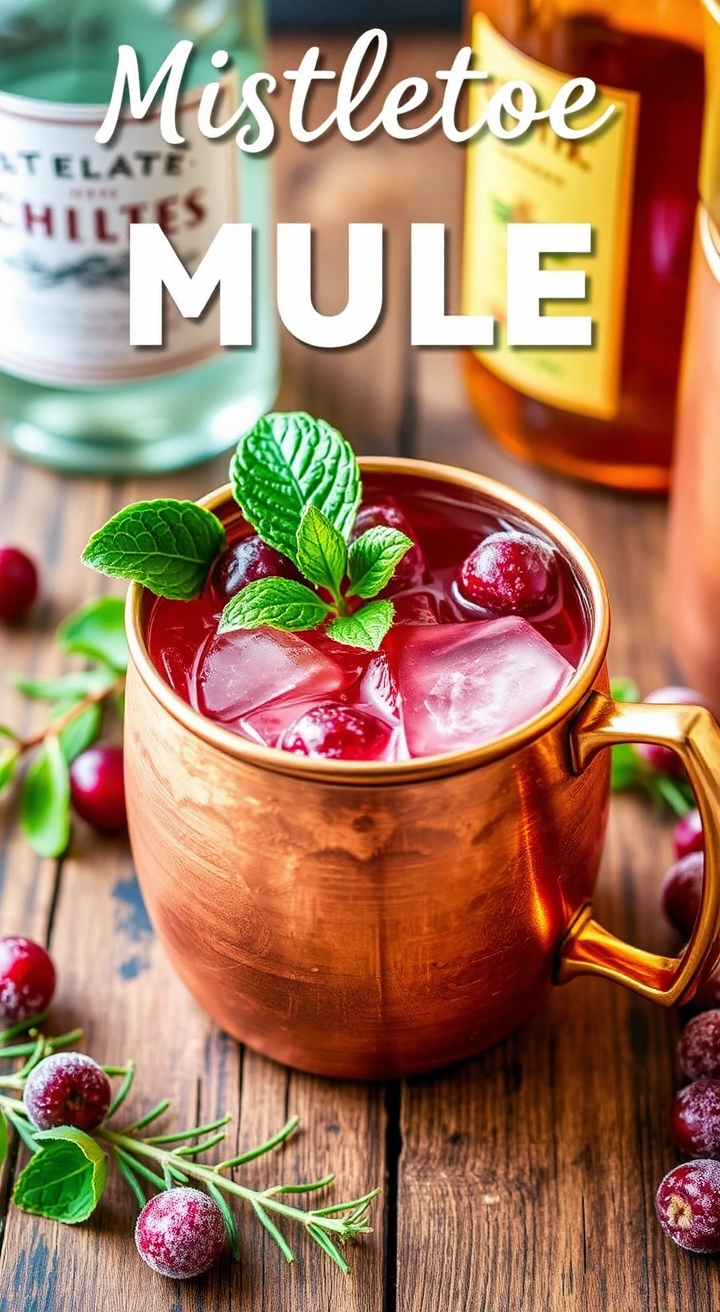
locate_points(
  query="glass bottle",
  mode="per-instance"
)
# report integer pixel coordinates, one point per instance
(604, 414)
(73, 393)
(694, 543)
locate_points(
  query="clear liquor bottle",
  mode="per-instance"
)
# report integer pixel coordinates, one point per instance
(73, 393)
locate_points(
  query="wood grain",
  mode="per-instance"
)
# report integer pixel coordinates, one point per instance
(522, 1181)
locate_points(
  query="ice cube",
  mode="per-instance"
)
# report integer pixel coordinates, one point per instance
(242, 671)
(379, 689)
(466, 684)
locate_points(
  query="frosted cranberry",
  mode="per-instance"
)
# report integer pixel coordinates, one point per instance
(681, 889)
(662, 758)
(338, 733)
(97, 788)
(699, 1047)
(688, 834)
(180, 1233)
(67, 1088)
(688, 1206)
(18, 583)
(411, 570)
(245, 562)
(27, 979)
(510, 574)
(695, 1119)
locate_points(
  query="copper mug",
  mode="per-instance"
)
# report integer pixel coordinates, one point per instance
(366, 920)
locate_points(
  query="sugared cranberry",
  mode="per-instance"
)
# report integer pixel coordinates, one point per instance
(510, 574)
(97, 788)
(27, 979)
(699, 1047)
(18, 583)
(337, 732)
(688, 834)
(67, 1088)
(180, 1233)
(663, 758)
(680, 891)
(411, 570)
(695, 1119)
(688, 1206)
(245, 562)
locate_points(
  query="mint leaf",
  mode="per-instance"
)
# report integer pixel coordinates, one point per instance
(3, 1137)
(97, 631)
(167, 546)
(321, 550)
(373, 558)
(366, 628)
(9, 757)
(287, 462)
(275, 603)
(45, 801)
(65, 1179)
(68, 688)
(624, 690)
(626, 768)
(80, 733)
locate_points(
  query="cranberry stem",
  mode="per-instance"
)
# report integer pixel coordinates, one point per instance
(55, 727)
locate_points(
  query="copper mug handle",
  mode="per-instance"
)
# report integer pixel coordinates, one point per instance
(588, 949)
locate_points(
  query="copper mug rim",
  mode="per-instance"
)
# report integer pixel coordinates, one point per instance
(382, 773)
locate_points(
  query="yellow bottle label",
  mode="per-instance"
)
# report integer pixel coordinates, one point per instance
(541, 178)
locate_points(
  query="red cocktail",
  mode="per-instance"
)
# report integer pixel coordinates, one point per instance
(489, 628)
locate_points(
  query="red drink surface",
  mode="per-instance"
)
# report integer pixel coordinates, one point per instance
(484, 673)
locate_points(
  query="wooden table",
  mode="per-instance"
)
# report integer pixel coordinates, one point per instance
(522, 1180)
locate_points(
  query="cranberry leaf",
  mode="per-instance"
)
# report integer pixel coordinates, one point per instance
(97, 631)
(45, 800)
(167, 546)
(66, 1177)
(80, 733)
(9, 757)
(366, 628)
(290, 461)
(276, 604)
(67, 688)
(321, 550)
(373, 559)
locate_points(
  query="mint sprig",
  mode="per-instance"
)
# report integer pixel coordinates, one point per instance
(297, 482)
(630, 772)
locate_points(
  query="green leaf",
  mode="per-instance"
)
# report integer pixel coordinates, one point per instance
(167, 546)
(626, 770)
(9, 758)
(65, 1179)
(373, 559)
(68, 689)
(45, 801)
(5, 732)
(624, 690)
(230, 1223)
(321, 550)
(366, 628)
(287, 462)
(275, 603)
(97, 631)
(80, 733)
(3, 1137)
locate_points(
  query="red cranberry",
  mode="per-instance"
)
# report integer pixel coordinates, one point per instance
(97, 788)
(416, 608)
(337, 732)
(681, 889)
(510, 574)
(699, 1047)
(688, 834)
(688, 1206)
(27, 979)
(180, 1233)
(411, 570)
(245, 562)
(67, 1088)
(663, 758)
(695, 1119)
(18, 583)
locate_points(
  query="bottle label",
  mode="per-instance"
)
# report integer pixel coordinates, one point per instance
(66, 205)
(542, 178)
